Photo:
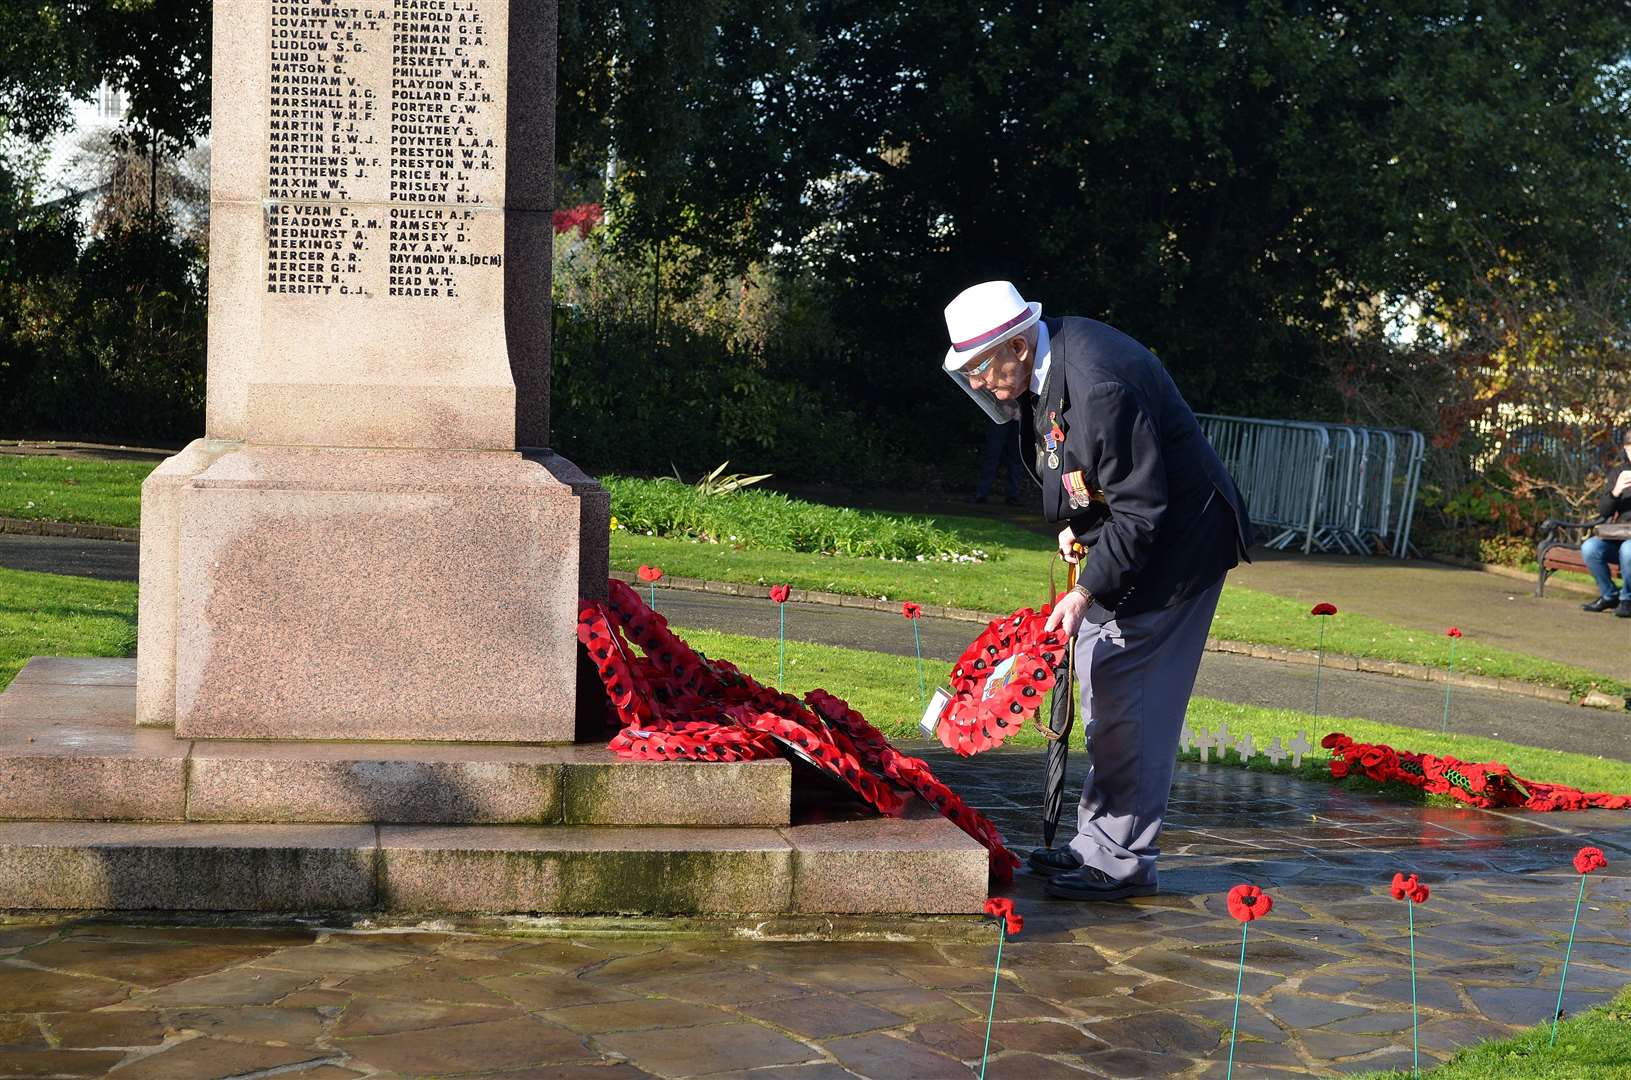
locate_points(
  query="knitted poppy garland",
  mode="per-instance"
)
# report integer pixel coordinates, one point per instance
(1000, 681)
(1488, 784)
(672, 703)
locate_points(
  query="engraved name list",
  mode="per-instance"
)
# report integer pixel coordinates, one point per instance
(382, 148)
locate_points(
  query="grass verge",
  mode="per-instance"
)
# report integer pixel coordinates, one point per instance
(1595, 1045)
(85, 491)
(53, 615)
(107, 493)
(885, 689)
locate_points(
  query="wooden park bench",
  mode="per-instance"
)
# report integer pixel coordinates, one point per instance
(1559, 549)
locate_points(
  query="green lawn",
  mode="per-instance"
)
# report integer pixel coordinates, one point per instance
(48, 614)
(52, 615)
(1596, 1045)
(81, 490)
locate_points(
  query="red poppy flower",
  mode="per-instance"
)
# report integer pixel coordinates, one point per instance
(1588, 859)
(1324, 609)
(1410, 887)
(779, 593)
(1453, 632)
(650, 573)
(1248, 902)
(1003, 908)
(910, 610)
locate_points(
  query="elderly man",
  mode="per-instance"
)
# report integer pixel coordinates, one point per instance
(1125, 468)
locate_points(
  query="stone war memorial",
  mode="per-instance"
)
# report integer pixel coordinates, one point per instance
(358, 684)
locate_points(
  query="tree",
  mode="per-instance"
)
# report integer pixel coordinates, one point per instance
(1231, 182)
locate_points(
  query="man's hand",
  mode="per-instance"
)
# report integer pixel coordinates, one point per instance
(1621, 486)
(1068, 613)
(1068, 547)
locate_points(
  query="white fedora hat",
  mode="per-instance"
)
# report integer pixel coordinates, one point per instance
(982, 315)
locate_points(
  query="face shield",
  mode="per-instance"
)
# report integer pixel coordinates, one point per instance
(1000, 412)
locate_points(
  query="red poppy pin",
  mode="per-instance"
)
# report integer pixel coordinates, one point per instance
(1003, 908)
(1248, 902)
(650, 573)
(1453, 631)
(1588, 859)
(1324, 609)
(910, 610)
(779, 593)
(1408, 887)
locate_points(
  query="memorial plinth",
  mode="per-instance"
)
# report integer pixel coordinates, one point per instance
(362, 547)
(357, 675)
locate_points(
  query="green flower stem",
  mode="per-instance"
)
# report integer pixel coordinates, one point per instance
(917, 643)
(1415, 1015)
(1002, 935)
(1566, 954)
(1240, 978)
(653, 596)
(781, 647)
(1444, 725)
(1319, 666)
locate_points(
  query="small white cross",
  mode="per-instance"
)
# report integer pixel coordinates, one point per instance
(1299, 746)
(1186, 738)
(1274, 753)
(1204, 743)
(1223, 739)
(1245, 747)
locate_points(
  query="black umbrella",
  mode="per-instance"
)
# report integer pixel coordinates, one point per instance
(1060, 720)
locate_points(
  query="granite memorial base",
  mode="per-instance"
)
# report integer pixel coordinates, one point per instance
(100, 813)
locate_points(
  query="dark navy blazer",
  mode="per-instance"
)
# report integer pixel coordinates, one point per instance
(1171, 521)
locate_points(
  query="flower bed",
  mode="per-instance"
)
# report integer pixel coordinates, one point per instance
(768, 521)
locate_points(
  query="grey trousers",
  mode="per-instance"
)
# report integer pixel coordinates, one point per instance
(1136, 677)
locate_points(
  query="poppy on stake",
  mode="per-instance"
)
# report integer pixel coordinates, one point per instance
(1454, 634)
(1246, 903)
(652, 575)
(912, 613)
(1325, 611)
(780, 593)
(1586, 860)
(1411, 889)
(1009, 922)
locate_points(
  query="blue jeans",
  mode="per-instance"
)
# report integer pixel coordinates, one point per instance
(1596, 552)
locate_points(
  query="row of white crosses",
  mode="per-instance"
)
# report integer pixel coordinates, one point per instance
(1202, 741)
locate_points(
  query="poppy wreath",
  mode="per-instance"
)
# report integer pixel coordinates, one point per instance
(672, 703)
(1487, 784)
(979, 717)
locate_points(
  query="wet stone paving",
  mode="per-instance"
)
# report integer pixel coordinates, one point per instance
(1136, 989)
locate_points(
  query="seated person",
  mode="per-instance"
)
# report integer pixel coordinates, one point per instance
(1616, 499)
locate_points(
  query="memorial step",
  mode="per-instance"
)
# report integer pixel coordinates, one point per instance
(70, 750)
(918, 864)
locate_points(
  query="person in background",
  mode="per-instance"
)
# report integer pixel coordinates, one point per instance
(1001, 453)
(1597, 552)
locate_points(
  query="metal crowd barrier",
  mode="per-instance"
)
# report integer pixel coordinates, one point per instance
(1337, 487)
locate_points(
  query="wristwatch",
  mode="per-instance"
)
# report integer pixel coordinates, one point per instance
(1077, 588)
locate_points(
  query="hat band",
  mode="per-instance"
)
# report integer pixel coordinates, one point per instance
(991, 335)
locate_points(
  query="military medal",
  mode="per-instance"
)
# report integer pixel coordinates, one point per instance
(1053, 438)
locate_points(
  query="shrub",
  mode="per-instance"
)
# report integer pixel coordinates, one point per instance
(770, 521)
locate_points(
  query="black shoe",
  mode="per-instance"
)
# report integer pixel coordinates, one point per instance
(1091, 883)
(1602, 603)
(1055, 860)
(1624, 610)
